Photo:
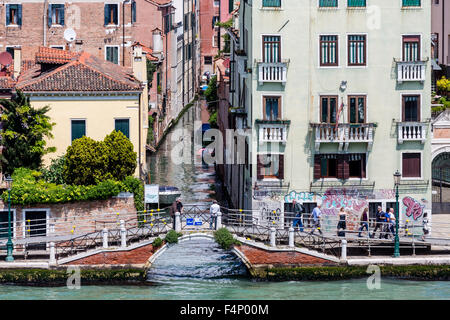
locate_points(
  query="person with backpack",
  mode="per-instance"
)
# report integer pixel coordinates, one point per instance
(298, 210)
(364, 222)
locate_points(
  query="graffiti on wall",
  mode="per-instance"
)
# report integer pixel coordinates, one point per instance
(412, 208)
(268, 213)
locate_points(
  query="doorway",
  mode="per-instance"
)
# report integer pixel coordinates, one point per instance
(36, 226)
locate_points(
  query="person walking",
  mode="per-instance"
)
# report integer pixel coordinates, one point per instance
(391, 222)
(364, 222)
(379, 222)
(213, 210)
(177, 206)
(425, 226)
(316, 215)
(298, 210)
(341, 223)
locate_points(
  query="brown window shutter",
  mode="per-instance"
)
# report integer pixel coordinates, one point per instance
(316, 166)
(411, 164)
(259, 168)
(345, 167)
(363, 166)
(281, 167)
(340, 167)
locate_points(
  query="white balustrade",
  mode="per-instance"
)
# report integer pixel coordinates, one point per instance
(272, 72)
(412, 131)
(411, 71)
(273, 133)
(344, 133)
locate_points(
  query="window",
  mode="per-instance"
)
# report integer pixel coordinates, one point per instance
(328, 109)
(112, 54)
(208, 60)
(133, 11)
(328, 3)
(186, 22)
(340, 166)
(356, 3)
(78, 129)
(111, 14)
(271, 3)
(411, 108)
(272, 108)
(411, 3)
(411, 48)
(270, 166)
(215, 41)
(357, 50)
(357, 109)
(215, 19)
(271, 49)
(14, 14)
(55, 14)
(123, 125)
(57, 47)
(11, 51)
(167, 23)
(329, 51)
(411, 164)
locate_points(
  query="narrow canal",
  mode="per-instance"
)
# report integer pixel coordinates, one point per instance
(201, 270)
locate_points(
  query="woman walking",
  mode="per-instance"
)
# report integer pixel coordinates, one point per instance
(364, 222)
(342, 224)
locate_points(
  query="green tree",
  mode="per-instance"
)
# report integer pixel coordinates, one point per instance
(121, 157)
(24, 131)
(211, 94)
(54, 172)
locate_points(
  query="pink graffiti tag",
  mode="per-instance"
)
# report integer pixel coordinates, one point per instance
(413, 207)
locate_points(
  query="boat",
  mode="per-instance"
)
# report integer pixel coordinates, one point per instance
(168, 194)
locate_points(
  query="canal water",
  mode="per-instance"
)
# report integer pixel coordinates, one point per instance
(199, 269)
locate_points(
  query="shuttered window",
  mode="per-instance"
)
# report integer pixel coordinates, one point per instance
(411, 48)
(14, 14)
(340, 166)
(133, 11)
(111, 14)
(123, 125)
(411, 164)
(272, 108)
(411, 108)
(112, 54)
(270, 166)
(78, 129)
(56, 14)
(271, 49)
(329, 51)
(356, 50)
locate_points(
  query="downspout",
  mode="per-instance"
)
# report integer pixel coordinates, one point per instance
(140, 133)
(443, 34)
(123, 32)
(45, 22)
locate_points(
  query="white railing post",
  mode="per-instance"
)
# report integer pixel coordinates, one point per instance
(291, 237)
(105, 238)
(123, 234)
(177, 222)
(344, 249)
(273, 233)
(219, 220)
(52, 260)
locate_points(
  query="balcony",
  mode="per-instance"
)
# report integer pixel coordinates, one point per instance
(272, 131)
(412, 131)
(411, 71)
(272, 72)
(344, 134)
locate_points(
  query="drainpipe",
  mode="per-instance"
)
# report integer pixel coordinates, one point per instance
(443, 34)
(123, 32)
(45, 22)
(140, 133)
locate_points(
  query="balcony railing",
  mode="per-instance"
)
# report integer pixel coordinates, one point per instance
(272, 72)
(412, 131)
(411, 71)
(344, 134)
(272, 131)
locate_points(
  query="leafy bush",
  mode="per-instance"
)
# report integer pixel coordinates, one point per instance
(158, 242)
(89, 162)
(213, 120)
(443, 85)
(54, 173)
(172, 236)
(225, 239)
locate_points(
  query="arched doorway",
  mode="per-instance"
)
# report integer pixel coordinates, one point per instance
(441, 183)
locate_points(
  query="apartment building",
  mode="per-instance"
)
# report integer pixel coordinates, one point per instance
(440, 28)
(337, 93)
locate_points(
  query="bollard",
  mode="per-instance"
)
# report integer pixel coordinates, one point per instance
(291, 237)
(273, 233)
(52, 261)
(123, 234)
(219, 220)
(105, 238)
(177, 222)
(344, 250)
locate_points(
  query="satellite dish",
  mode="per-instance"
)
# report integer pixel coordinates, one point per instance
(5, 58)
(70, 35)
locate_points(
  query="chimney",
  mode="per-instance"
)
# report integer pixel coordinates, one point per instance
(17, 61)
(139, 63)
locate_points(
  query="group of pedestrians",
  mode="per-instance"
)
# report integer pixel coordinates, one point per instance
(177, 206)
(385, 223)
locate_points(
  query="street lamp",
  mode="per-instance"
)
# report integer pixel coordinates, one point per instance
(9, 244)
(397, 176)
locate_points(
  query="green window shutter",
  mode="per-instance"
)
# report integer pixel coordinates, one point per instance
(123, 125)
(78, 129)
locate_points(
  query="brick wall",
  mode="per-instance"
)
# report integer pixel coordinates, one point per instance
(441, 134)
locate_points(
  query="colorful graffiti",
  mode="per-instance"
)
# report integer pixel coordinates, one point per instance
(299, 196)
(412, 208)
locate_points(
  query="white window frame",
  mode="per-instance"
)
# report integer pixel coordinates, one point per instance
(346, 49)
(271, 94)
(47, 218)
(12, 25)
(118, 52)
(13, 220)
(421, 165)
(411, 34)
(413, 93)
(118, 14)
(339, 66)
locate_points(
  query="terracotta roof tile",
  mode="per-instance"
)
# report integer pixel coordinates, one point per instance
(7, 82)
(53, 56)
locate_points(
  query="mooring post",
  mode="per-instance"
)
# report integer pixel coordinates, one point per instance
(344, 249)
(291, 237)
(273, 233)
(123, 234)
(219, 220)
(105, 238)
(52, 260)
(177, 222)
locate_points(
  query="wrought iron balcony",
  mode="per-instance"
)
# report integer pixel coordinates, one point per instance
(411, 71)
(272, 72)
(344, 134)
(412, 131)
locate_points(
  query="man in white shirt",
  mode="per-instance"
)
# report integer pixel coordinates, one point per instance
(392, 221)
(213, 210)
